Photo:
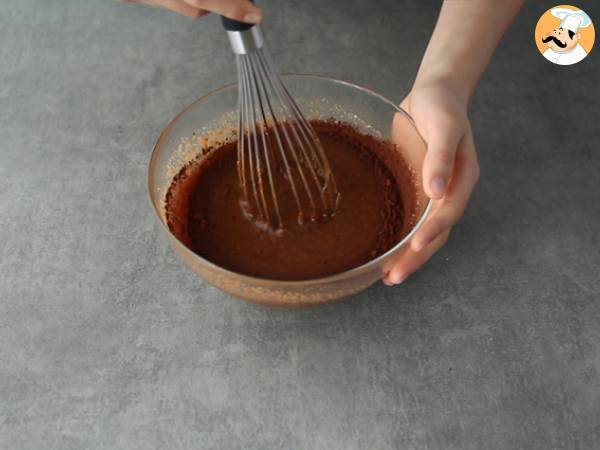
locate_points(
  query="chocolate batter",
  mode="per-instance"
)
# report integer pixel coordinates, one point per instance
(375, 211)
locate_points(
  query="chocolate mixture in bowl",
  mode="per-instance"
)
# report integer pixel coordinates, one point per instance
(375, 211)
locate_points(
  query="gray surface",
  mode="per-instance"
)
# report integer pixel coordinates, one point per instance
(108, 341)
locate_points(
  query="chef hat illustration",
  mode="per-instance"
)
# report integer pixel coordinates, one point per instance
(572, 19)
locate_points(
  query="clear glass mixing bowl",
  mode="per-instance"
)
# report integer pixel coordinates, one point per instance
(213, 118)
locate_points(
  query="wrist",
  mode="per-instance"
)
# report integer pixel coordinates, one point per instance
(447, 82)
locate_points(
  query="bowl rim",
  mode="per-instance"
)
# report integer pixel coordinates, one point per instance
(266, 282)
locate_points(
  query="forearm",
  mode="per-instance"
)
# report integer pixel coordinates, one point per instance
(463, 41)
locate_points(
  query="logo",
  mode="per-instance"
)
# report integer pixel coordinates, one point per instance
(565, 35)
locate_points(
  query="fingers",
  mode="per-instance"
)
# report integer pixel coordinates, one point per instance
(443, 136)
(241, 10)
(412, 261)
(450, 209)
(179, 6)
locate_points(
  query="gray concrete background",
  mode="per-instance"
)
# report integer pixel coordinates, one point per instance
(107, 341)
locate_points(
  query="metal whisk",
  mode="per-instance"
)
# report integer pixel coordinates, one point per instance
(282, 167)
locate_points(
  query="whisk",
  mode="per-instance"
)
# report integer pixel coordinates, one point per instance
(282, 167)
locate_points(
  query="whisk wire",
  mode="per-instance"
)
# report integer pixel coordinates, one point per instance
(276, 143)
(313, 141)
(260, 118)
(266, 147)
(295, 118)
(241, 156)
(276, 126)
(284, 125)
(252, 149)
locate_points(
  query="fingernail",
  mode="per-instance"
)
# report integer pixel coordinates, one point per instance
(418, 246)
(396, 278)
(438, 186)
(251, 18)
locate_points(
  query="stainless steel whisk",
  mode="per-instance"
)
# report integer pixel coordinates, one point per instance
(279, 152)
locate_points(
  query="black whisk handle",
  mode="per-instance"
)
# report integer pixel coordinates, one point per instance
(235, 25)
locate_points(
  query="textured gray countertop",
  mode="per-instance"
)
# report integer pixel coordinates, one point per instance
(107, 341)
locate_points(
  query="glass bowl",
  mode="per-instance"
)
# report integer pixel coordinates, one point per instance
(213, 118)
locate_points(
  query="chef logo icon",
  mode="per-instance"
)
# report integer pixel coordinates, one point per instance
(565, 35)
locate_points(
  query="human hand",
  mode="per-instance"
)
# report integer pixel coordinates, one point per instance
(241, 10)
(450, 170)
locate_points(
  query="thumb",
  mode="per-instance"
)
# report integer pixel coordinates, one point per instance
(241, 10)
(443, 138)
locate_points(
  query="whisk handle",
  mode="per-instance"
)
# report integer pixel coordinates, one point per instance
(235, 25)
(244, 37)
